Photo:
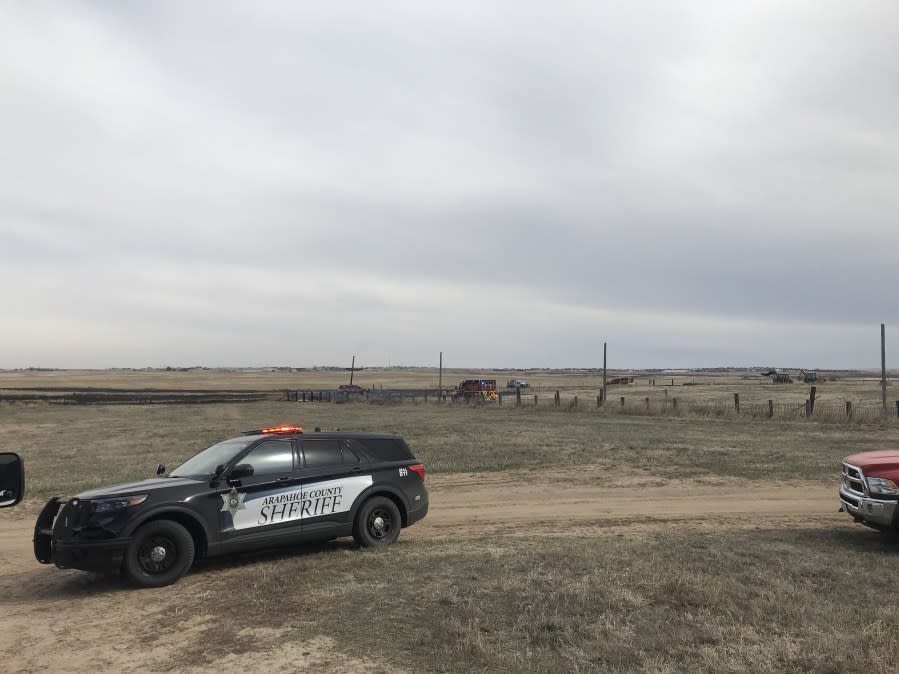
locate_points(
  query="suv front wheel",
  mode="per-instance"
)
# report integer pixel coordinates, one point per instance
(162, 551)
(378, 523)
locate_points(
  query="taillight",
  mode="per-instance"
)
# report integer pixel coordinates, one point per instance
(420, 469)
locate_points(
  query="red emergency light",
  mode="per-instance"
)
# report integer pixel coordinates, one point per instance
(287, 428)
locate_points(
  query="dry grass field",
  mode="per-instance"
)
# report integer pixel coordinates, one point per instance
(861, 388)
(560, 540)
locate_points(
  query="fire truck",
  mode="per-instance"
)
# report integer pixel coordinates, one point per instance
(476, 389)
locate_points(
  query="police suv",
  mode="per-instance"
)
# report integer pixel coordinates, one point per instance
(272, 486)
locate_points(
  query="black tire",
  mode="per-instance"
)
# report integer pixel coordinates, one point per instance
(378, 523)
(162, 551)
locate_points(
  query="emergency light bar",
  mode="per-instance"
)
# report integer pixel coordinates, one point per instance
(275, 429)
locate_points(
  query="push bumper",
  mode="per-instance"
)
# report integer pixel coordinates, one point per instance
(104, 556)
(876, 513)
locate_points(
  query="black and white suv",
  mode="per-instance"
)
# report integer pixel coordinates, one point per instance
(270, 487)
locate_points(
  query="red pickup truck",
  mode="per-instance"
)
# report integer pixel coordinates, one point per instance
(869, 488)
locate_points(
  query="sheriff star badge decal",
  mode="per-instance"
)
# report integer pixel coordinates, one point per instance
(233, 501)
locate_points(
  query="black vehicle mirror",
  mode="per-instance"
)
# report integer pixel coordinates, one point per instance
(12, 479)
(160, 469)
(239, 471)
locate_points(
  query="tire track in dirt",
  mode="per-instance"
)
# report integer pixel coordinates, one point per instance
(68, 620)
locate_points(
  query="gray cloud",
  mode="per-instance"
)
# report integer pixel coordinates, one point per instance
(699, 185)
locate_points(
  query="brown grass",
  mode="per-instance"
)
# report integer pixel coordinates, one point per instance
(709, 394)
(809, 600)
(69, 449)
(762, 601)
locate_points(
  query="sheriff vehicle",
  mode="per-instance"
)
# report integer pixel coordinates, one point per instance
(270, 487)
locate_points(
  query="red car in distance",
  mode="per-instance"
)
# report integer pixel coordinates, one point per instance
(351, 389)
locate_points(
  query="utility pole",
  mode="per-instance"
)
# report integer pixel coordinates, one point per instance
(604, 373)
(352, 368)
(440, 377)
(883, 366)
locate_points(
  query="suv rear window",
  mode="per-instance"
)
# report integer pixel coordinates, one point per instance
(387, 449)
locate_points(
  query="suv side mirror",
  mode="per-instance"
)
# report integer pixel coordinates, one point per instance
(239, 471)
(160, 469)
(12, 479)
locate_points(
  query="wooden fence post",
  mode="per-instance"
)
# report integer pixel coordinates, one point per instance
(736, 402)
(574, 404)
(535, 400)
(808, 407)
(849, 408)
(647, 403)
(558, 400)
(770, 408)
(599, 401)
(811, 399)
(622, 401)
(518, 397)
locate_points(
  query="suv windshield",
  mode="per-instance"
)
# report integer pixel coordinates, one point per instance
(205, 463)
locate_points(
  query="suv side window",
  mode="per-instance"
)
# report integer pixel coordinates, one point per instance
(322, 453)
(274, 457)
(387, 449)
(350, 457)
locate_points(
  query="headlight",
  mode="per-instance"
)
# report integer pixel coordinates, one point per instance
(106, 505)
(880, 485)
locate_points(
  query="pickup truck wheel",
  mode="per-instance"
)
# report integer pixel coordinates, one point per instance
(377, 523)
(162, 551)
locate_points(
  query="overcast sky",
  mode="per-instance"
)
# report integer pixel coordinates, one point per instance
(695, 183)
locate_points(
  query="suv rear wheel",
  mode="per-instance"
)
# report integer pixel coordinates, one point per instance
(378, 523)
(162, 551)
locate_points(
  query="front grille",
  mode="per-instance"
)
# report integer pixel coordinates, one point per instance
(849, 500)
(854, 479)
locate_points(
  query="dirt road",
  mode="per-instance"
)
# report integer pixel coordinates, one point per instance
(67, 620)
